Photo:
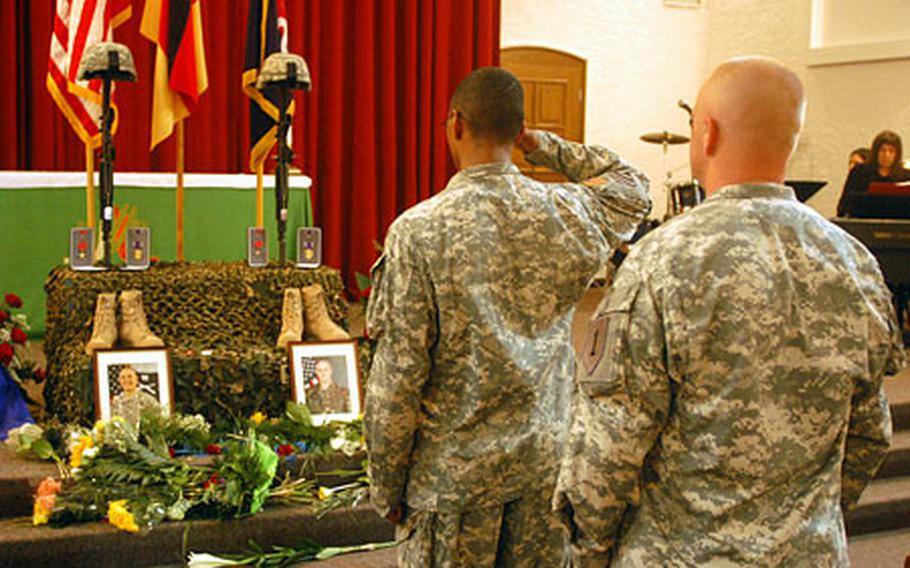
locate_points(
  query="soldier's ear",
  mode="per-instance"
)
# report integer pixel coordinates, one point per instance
(521, 133)
(458, 125)
(711, 137)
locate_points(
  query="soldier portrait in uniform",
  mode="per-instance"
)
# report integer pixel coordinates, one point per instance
(326, 379)
(131, 382)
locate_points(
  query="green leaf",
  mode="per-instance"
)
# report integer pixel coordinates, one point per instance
(363, 281)
(43, 449)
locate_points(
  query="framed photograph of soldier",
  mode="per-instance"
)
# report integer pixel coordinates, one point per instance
(130, 381)
(326, 377)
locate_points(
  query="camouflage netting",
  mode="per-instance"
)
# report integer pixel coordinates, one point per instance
(227, 310)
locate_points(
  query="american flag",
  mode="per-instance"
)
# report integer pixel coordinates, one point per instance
(79, 24)
(308, 366)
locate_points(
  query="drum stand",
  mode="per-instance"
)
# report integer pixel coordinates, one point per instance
(668, 185)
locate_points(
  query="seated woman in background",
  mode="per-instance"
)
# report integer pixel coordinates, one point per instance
(885, 165)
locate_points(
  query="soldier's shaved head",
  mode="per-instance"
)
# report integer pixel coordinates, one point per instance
(492, 101)
(746, 123)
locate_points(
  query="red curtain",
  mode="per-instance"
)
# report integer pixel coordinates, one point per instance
(369, 133)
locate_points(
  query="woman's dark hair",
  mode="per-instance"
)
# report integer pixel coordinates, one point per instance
(887, 137)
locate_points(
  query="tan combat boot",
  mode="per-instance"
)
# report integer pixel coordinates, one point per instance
(134, 330)
(318, 322)
(104, 327)
(291, 318)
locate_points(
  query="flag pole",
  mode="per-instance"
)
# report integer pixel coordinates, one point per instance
(89, 186)
(180, 168)
(259, 201)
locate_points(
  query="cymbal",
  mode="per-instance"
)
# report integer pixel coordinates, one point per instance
(664, 138)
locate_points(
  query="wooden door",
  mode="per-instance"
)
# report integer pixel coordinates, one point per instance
(554, 85)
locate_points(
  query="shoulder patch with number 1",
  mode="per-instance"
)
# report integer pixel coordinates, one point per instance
(594, 343)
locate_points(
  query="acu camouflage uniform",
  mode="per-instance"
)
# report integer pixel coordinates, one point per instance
(468, 399)
(731, 404)
(327, 400)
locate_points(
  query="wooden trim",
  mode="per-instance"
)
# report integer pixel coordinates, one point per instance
(542, 48)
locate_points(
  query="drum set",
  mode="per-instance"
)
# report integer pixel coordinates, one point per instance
(680, 196)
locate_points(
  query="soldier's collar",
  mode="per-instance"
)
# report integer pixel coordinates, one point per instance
(754, 190)
(495, 168)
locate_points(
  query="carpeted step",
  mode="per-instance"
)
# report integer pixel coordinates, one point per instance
(897, 463)
(884, 506)
(898, 390)
(18, 480)
(101, 545)
(879, 550)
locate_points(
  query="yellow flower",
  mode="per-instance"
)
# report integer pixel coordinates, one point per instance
(119, 516)
(85, 442)
(258, 418)
(40, 515)
(324, 493)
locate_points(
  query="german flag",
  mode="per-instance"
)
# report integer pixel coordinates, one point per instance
(266, 34)
(175, 26)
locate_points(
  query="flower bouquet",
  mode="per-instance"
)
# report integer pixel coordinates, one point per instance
(133, 476)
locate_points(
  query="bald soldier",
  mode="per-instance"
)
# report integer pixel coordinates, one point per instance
(730, 404)
(467, 406)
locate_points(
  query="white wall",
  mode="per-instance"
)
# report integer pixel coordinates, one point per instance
(847, 104)
(641, 58)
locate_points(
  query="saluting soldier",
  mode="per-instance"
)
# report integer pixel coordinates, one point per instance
(468, 398)
(730, 406)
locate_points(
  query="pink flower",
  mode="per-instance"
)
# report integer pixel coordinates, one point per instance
(18, 336)
(13, 300)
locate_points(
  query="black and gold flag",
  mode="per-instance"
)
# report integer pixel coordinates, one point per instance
(266, 34)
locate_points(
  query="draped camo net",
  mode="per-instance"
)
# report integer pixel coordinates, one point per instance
(219, 319)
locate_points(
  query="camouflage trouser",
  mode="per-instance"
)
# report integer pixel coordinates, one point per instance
(521, 533)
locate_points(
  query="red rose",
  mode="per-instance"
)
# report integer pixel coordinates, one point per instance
(213, 449)
(4, 316)
(13, 300)
(6, 354)
(18, 336)
(171, 452)
(215, 479)
(285, 450)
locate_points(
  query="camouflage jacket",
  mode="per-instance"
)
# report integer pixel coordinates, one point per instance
(468, 396)
(730, 401)
(334, 399)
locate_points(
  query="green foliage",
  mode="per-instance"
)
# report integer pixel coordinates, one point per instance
(248, 469)
(120, 462)
(123, 468)
(176, 430)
